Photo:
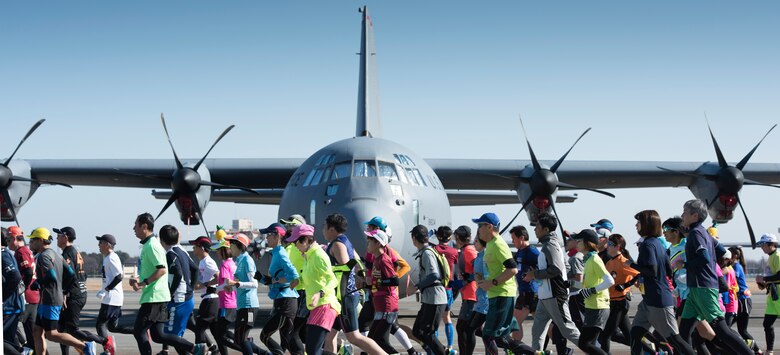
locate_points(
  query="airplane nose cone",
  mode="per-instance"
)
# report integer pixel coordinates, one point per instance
(358, 212)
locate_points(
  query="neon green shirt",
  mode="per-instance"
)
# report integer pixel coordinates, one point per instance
(496, 252)
(592, 276)
(296, 259)
(774, 263)
(152, 255)
(318, 276)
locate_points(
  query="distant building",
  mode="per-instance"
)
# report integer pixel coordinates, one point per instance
(242, 225)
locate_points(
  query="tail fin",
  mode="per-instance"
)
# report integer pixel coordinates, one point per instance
(369, 123)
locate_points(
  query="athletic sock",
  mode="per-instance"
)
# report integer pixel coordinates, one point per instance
(449, 330)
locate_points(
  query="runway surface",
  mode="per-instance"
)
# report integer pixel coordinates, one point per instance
(408, 310)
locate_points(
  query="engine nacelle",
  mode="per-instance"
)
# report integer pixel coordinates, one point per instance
(720, 205)
(186, 206)
(18, 191)
(538, 205)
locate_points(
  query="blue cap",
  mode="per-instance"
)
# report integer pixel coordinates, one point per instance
(377, 221)
(487, 218)
(603, 223)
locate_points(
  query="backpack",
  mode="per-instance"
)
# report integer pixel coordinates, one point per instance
(444, 267)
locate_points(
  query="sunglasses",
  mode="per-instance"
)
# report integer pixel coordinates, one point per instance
(611, 243)
(669, 229)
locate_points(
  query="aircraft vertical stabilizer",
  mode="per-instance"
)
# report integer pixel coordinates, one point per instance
(368, 122)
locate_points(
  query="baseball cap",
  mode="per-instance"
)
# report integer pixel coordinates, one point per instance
(240, 238)
(222, 243)
(487, 218)
(588, 235)
(603, 223)
(277, 228)
(40, 233)
(377, 221)
(295, 219)
(202, 241)
(767, 238)
(299, 231)
(108, 238)
(379, 235)
(15, 231)
(68, 231)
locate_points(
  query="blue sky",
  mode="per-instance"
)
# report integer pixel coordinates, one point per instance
(453, 77)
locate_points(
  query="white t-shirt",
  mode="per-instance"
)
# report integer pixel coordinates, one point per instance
(207, 269)
(112, 266)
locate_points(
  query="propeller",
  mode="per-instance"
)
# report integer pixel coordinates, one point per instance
(544, 181)
(730, 179)
(7, 176)
(185, 181)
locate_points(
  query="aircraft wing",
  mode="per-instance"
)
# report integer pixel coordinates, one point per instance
(498, 174)
(156, 173)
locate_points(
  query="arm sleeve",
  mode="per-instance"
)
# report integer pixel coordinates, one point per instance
(193, 273)
(116, 281)
(250, 272)
(389, 276)
(173, 272)
(552, 269)
(510, 263)
(772, 278)
(428, 262)
(403, 266)
(607, 282)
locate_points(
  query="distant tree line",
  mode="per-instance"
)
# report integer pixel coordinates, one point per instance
(93, 262)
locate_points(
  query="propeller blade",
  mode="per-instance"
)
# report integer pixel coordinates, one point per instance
(560, 161)
(176, 157)
(744, 160)
(552, 204)
(535, 162)
(525, 204)
(212, 147)
(223, 186)
(747, 221)
(570, 186)
(199, 212)
(171, 200)
(757, 183)
(10, 205)
(154, 177)
(721, 160)
(30, 132)
(708, 177)
(40, 182)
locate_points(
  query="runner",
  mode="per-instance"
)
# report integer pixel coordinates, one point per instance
(770, 282)
(526, 258)
(227, 298)
(111, 295)
(443, 235)
(383, 282)
(432, 293)
(596, 281)
(13, 301)
(619, 294)
(468, 292)
(282, 279)
(208, 277)
(245, 285)
(50, 271)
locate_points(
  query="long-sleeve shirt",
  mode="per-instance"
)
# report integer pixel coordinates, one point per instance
(431, 292)
(730, 296)
(246, 293)
(700, 255)
(739, 272)
(677, 252)
(318, 276)
(552, 268)
(281, 267)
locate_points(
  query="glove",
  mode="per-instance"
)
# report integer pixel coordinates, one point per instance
(587, 292)
(35, 286)
(620, 287)
(101, 294)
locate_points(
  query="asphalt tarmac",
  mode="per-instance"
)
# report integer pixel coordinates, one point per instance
(408, 310)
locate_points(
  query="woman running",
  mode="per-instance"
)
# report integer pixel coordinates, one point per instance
(744, 301)
(595, 284)
(618, 294)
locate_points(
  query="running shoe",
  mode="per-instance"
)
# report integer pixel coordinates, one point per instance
(89, 348)
(110, 346)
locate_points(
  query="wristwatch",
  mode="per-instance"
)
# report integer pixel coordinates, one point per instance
(495, 282)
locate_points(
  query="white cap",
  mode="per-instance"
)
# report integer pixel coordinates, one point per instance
(767, 238)
(379, 235)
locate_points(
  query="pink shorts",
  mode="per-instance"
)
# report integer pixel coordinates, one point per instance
(322, 316)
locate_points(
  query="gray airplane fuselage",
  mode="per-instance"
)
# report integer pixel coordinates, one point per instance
(363, 177)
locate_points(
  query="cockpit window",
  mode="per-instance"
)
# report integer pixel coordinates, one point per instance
(341, 170)
(412, 178)
(387, 170)
(365, 168)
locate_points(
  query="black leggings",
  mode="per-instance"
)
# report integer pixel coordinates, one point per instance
(380, 332)
(160, 337)
(223, 336)
(282, 321)
(475, 327)
(366, 315)
(743, 317)
(680, 345)
(245, 320)
(618, 319)
(315, 339)
(587, 342)
(426, 324)
(467, 340)
(769, 331)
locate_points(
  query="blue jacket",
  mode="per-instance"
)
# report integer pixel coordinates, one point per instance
(281, 267)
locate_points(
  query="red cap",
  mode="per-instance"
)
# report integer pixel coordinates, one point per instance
(241, 238)
(15, 231)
